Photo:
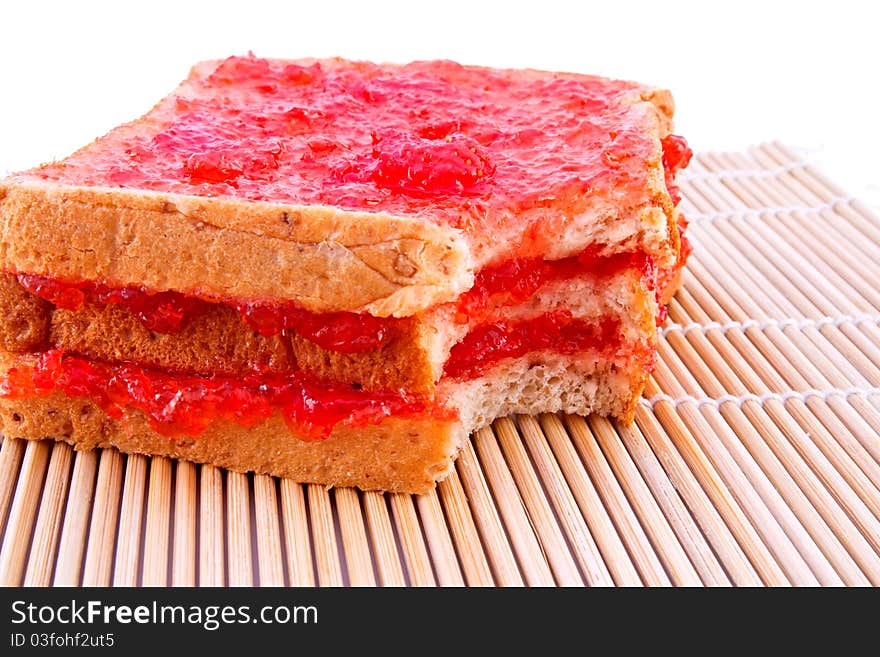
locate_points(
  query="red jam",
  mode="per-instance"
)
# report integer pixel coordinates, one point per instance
(469, 146)
(424, 167)
(185, 405)
(167, 312)
(676, 156)
(340, 331)
(509, 283)
(515, 281)
(163, 312)
(558, 332)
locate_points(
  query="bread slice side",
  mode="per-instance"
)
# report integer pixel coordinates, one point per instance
(320, 258)
(404, 454)
(219, 342)
(549, 383)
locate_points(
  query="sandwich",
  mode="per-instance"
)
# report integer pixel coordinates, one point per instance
(335, 271)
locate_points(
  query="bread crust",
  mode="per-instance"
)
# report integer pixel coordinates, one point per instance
(24, 317)
(400, 454)
(321, 258)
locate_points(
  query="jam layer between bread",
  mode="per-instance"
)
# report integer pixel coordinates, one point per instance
(168, 330)
(168, 312)
(178, 404)
(184, 405)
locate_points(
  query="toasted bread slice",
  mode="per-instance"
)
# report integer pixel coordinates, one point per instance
(332, 225)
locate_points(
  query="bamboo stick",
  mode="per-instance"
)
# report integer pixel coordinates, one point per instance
(766, 488)
(689, 535)
(842, 525)
(828, 474)
(74, 532)
(498, 545)
(473, 561)
(842, 461)
(212, 544)
(841, 338)
(98, 568)
(354, 538)
(183, 563)
(326, 549)
(706, 430)
(523, 539)
(17, 539)
(131, 513)
(297, 539)
(387, 559)
(574, 495)
(268, 533)
(810, 181)
(662, 537)
(757, 447)
(239, 550)
(11, 453)
(852, 356)
(786, 423)
(739, 549)
(547, 527)
(443, 555)
(412, 543)
(156, 542)
(41, 561)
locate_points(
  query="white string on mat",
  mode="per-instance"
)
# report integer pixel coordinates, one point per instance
(762, 324)
(688, 176)
(755, 213)
(716, 402)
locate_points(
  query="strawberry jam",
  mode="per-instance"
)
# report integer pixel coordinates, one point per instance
(341, 331)
(163, 312)
(467, 146)
(509, 283)
(676, 156)
(558, 332)
(185, 405)
(515, 281)
(167, 312)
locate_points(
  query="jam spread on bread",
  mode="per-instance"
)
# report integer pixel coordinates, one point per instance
(167, 312)
(180, 405)
(516, 280)
(558, 332)
(676, 156)
(509, 283)
(463, 145)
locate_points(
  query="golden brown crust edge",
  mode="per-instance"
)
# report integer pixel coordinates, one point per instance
(400, 455)
(323, 259)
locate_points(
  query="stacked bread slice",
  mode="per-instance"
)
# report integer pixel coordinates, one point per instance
(335, 271)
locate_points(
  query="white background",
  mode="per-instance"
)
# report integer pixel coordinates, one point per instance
(742, 72)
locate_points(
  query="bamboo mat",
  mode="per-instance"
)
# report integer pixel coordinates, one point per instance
(754, 459)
